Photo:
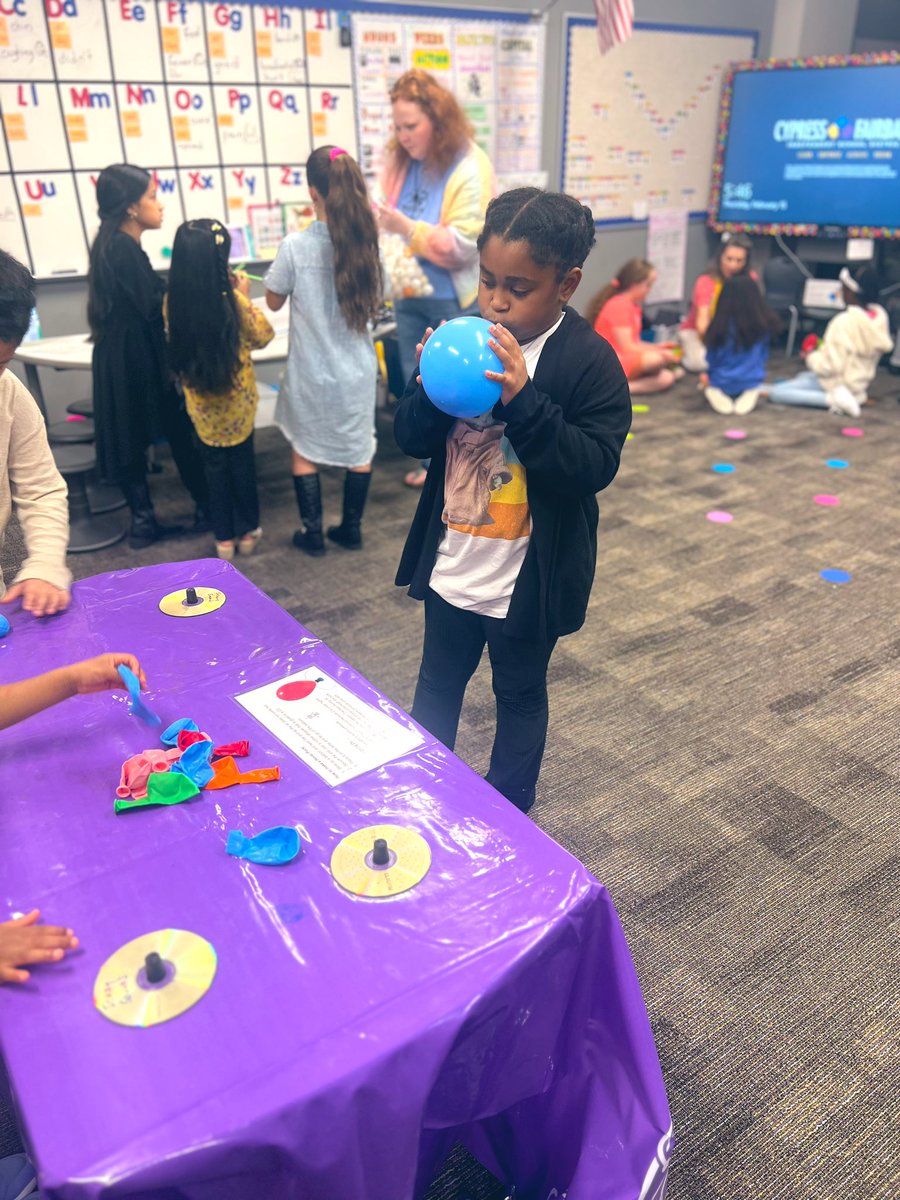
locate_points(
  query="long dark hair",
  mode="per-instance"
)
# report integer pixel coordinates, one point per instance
(16, 299)
(741, 315)
(118, 187)
(354, 235)
(735, 239)
(636, 270)
(204, 324)
(558, 230)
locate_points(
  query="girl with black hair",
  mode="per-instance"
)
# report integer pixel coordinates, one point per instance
(732, 258)
(135, 400)
(843, 365)
(326, 406)
(213, 327)
(737, 346)
(503, 544)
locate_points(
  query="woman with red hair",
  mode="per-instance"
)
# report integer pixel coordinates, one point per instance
(436, 184)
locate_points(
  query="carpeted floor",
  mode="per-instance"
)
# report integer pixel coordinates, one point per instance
(722, 754)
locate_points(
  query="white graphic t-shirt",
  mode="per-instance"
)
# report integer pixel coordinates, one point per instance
(486, 513)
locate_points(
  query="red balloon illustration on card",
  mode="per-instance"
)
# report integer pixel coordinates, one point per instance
(297, 689)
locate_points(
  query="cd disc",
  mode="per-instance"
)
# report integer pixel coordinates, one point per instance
(380, 860)
(155, 977)
(192, 602)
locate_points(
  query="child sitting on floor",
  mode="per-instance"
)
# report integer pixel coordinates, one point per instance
(841, 369)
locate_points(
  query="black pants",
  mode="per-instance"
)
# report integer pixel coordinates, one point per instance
(233, 500)
(179, 433)
(454, 640)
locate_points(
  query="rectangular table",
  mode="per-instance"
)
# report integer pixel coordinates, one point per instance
(346, 1043)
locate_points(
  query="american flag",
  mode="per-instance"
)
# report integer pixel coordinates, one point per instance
(615, 22)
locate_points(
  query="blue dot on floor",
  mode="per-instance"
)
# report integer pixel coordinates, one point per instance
(723, 468)
(833, 575)
(839, 464)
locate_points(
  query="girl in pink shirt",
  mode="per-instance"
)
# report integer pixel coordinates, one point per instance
(616, 314)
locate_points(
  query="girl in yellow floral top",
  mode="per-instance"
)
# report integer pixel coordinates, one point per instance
(213, 326)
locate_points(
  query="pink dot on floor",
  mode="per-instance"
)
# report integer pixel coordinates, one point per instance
(735, 434)
(718, 517)
(852, 431)
(824, 498)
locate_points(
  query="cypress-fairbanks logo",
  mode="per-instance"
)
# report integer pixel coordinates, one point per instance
(838, 129)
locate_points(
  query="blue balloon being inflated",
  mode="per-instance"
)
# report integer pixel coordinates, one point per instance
(453, 364)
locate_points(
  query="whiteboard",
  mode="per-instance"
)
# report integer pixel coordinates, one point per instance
(222, 101)
(641, 121)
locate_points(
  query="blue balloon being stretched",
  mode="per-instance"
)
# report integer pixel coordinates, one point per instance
(452, 366)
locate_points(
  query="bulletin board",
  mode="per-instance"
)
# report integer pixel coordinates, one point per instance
(223, 102)
(494, 66)
(640, 121)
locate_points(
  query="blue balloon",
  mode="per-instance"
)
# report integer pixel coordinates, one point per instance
(4, 626)
(453, 364)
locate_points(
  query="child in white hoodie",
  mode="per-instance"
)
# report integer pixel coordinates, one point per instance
(841, 368)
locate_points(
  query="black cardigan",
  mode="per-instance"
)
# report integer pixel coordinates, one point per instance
(568, 427)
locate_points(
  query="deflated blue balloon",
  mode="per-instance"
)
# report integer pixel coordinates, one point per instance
(452, 366)
(136, 705)
(194, 763)
(271, 847)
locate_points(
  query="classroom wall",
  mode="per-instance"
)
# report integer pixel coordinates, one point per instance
(823, 22)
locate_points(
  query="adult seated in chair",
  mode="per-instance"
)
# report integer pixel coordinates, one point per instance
(29, 480)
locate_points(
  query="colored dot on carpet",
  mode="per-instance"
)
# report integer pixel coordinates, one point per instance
(735, 434)
(628, 437)
(852, 431)
(833, 575)
(825, 498)
(839, 464)
(723, 468)
(640, 408)
(718, 517)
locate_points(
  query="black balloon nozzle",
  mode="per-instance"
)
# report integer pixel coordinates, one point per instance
(380, 853)
(191, 597)
(154, 968)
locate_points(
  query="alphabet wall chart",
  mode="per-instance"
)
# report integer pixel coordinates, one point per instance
(493, 66)
(222, 101)
(641, 121)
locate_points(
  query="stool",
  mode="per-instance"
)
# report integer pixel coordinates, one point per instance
(81, 408)
(70, 433)
(87, 531)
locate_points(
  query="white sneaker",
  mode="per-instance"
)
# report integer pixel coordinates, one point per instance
(718, 401)
(746, 401)
(841, 400)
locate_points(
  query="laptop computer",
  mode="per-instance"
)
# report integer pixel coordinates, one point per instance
(823, 293)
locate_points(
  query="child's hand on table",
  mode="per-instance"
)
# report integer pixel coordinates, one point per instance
(514, 375)
(38, 597)
(24, 941)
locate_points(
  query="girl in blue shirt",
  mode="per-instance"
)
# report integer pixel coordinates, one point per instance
(737, 346)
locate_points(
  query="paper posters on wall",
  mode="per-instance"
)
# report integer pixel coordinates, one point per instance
(495, 69)
(336, 733)
(667, 249)
(191, 91)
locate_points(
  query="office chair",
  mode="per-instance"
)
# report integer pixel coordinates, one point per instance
(783, 284)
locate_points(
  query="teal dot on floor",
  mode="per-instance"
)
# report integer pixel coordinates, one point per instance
(839, 464)
(723, 468)
(833, 575)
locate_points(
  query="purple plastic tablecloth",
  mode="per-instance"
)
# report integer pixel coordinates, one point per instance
(346, 1044)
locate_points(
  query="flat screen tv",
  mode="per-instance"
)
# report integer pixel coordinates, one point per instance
(810, 147)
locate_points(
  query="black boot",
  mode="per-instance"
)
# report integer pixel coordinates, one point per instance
(145, 529)
(356, 489)
(309, 501)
